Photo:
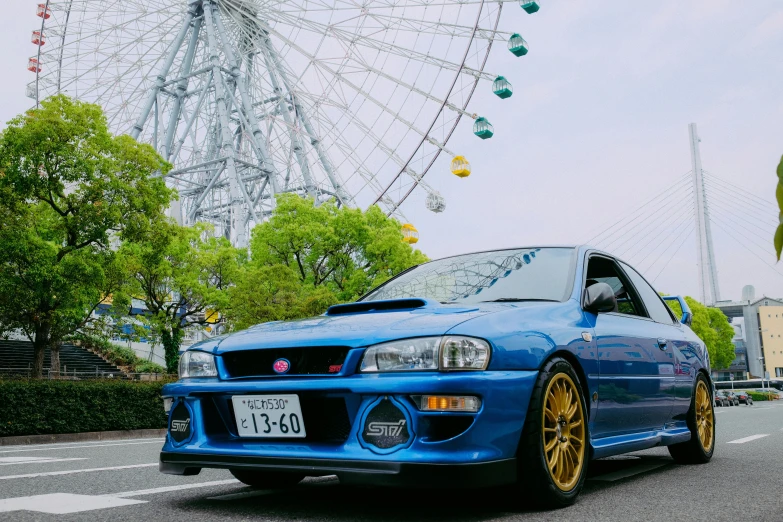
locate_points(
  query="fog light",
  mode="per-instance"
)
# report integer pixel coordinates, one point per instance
(448, 403)
(167, 402)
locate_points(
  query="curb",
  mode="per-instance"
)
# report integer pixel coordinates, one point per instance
(21, 440)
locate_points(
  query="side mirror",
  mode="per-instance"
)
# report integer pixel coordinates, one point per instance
(687, 318)
(600, 298)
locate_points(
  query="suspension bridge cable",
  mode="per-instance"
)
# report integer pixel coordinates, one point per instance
(715, 189)
(740, 214)
(665, 246)
(645, 217)
(740, 191)
(637, 213)
(751, 251)
(624, 222)
(660, 214)
(692, 228)
(648, 230)
(767, 234)
(762, 247)
(664, 227)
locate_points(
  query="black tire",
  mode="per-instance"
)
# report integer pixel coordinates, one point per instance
(535, 484)
(694, 451)
(267, 479)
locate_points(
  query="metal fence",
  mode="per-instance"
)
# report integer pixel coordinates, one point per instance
(74, 375)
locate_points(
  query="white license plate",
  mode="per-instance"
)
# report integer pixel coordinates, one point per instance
(278, 416)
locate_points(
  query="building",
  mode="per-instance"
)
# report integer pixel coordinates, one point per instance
(762, 321)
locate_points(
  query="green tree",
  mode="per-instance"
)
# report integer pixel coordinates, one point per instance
(68, 189)
(308, 257)
(183, 275)
(713, 327)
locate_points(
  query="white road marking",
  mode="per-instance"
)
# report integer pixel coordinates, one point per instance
(748, 439)
(82, 443)
(166, 489)
(156, 441)
(62, 503)
(69, 472)
(11, 461)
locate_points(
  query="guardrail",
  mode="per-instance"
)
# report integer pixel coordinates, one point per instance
(65, 374)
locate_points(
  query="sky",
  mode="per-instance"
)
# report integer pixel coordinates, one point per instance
(597, 126)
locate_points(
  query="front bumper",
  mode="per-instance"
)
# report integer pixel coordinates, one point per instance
(359, 472)
(481, 454)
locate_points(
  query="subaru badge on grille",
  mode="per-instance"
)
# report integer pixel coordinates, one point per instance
(281, 366)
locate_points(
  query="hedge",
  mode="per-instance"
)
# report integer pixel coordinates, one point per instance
(761, 396)
(30, 407)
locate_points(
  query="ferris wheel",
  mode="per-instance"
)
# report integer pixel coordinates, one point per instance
(334, 99)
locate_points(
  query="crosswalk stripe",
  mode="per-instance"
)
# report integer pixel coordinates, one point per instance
(748, 439)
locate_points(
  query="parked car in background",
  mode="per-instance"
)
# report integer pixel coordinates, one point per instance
(733, 399)
(744, 398)
(721, 399)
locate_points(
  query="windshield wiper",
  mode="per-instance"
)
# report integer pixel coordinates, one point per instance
(516, 300)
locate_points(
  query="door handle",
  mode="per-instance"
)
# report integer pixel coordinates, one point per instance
(662, 344)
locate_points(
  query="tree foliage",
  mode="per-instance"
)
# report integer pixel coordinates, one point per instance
(779, 197)
(68, 188)
(183, 275)
(308, 257)
(713, 327)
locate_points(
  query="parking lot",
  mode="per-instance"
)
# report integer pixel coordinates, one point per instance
(119, 480)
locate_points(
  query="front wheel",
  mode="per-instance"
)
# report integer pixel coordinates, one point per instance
(266, 479)
(701, 422)
(553, 449)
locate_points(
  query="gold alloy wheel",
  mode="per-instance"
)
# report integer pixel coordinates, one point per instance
(564, 432)
(705, 419)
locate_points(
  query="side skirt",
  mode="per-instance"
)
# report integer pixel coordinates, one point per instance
(608, 446)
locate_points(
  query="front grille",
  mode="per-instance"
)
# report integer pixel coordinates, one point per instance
(325, 418)
(303, 361)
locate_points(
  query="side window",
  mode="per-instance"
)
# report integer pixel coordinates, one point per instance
(658, 311)
(604, 270)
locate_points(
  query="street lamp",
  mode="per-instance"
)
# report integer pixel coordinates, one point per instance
(763, 371)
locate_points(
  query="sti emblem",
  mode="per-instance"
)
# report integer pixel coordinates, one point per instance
(281, 366)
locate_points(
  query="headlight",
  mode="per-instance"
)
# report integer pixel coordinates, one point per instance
(427, 353)
(197, 364)
(407, 354)
(463, 353)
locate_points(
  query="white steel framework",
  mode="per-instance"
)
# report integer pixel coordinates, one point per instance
(708, 273)
(351, 101)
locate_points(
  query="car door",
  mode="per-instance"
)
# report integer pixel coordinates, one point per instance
(678, 351)
(634, 392)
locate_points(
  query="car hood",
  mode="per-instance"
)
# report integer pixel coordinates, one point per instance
(353, 329)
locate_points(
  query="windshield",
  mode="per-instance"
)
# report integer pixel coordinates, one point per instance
(525, 274)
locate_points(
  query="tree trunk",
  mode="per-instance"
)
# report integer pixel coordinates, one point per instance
(40, 343)
(55, 360)
(171, 341)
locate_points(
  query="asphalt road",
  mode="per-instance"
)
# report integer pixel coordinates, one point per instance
(119, 480)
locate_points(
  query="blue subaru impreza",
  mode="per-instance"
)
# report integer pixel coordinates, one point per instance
(512, 367)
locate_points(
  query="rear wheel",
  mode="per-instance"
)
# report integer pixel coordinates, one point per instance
(553, 450)
(701, 422)
(267, 479)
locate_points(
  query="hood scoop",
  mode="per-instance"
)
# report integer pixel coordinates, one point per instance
(377, 306)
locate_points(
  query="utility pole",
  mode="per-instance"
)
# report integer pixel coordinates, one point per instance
(708, 274)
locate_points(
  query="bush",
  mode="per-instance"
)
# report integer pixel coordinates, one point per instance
(31, 407)
(116, 355)
(762, 396)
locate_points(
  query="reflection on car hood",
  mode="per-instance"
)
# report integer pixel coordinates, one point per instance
(354, 330)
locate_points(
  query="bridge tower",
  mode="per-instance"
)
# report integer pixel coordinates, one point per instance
(708, 273)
